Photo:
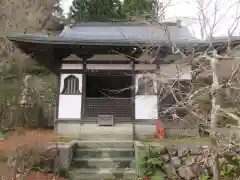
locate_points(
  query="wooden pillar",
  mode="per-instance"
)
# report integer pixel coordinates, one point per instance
(58, 66)
(133, 88)
(158, 92)
(84, 83)
(133, 97)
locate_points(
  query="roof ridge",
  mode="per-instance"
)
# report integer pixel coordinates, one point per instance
(127, 23)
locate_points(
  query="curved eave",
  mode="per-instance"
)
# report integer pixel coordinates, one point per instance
(69, 41)
(58, 41)
(49, 51)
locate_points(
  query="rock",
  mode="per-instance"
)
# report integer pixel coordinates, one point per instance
(209, 171)
(195, 150)
(204, 172)
(159, 148)
(189, 160)
(204, 149)
(186, 172)
(183, 151)
(50, 159)
(166, 158)
(173, 150)
(209, 163)
(163, 151)
(159, 175)
(175, 161)
(205, 160)
(170, 170)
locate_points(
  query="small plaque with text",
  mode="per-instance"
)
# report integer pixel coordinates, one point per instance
(105, 120)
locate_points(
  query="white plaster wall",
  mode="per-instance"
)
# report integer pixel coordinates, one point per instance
(146, 107)
(72, 66)
(70, 106)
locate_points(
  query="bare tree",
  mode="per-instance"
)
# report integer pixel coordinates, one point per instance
(211, 57)
(208, 62)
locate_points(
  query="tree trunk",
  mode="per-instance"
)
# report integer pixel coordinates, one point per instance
(215, 92)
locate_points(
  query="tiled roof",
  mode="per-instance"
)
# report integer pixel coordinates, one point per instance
(120, 35)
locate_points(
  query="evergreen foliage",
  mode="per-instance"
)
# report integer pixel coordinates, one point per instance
(139, 8)
(96, 10)
(110, 10)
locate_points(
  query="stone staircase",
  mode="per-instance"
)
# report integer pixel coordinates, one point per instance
(103, 156)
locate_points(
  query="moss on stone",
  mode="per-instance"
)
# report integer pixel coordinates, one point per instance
(62, 139)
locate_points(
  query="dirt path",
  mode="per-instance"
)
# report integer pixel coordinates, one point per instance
(31, 138)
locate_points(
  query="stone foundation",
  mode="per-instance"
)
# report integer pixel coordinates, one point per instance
(183, 159)
(75, 129)
(150, 130)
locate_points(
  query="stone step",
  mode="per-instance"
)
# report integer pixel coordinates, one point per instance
(104, 152)
(105, 144)
(98, 174)
(116, 162)
(104, 137)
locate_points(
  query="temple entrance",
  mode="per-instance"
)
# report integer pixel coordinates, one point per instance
(108, 95)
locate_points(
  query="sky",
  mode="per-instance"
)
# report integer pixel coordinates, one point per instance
(187, 11)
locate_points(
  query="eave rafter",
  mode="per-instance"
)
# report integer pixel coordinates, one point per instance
(50, 54)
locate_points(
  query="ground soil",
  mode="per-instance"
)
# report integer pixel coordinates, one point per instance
(31, 138)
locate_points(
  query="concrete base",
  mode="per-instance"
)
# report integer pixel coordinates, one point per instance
(150, 130)
(145, 130)
(122, 131)
(75, 129)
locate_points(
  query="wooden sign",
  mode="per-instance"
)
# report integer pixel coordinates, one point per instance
(105, 120)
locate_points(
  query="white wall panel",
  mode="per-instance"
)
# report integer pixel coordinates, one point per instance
(70, 106)
(146, 107)
(72, 66)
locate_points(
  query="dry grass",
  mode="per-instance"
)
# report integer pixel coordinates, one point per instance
(25, 137)
(42, 176)
(32, 140)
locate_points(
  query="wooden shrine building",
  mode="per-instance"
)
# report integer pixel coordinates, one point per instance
(101, 70)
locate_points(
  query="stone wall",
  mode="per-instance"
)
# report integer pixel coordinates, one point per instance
(179, 161)
(150, 130)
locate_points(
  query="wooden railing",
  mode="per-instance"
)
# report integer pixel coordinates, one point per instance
(109, 106)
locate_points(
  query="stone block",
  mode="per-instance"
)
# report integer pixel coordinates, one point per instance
(172, 150)
(170, 170)
(166, 157)
(189, 160)
(175, 161)
(66, 151)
